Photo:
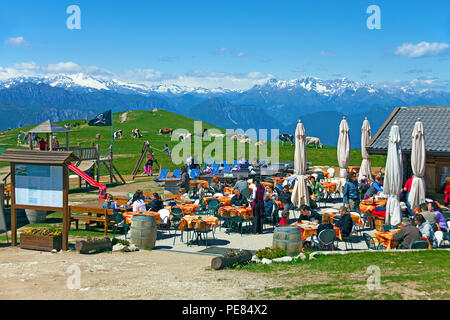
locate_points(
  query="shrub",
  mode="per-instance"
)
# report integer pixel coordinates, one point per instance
(270, 253)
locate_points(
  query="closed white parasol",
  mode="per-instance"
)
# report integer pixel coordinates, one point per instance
(417, 193)
(300, 193)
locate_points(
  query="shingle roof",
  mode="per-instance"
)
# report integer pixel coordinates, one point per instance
(48, 127)
(38, 156)
(436, 124)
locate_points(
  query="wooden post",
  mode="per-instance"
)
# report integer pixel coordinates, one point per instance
(48, 139)
(13, 206)
(98, 162)
(66, 214)
(30, 140)
(67, 141)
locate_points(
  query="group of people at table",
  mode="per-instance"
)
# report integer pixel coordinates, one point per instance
(263, 199)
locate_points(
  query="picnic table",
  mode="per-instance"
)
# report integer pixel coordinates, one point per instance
(387, 239)
(96, 214)
(129, 215)
(245, 213)
(310, 229)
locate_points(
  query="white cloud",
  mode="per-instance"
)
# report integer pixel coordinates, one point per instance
(228, 51)
(17, 42)
(422, 49)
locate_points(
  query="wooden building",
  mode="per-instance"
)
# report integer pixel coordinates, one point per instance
(436, 123)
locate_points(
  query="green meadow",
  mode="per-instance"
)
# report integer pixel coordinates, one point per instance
(127, 150)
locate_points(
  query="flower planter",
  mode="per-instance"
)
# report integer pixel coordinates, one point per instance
(40, 242)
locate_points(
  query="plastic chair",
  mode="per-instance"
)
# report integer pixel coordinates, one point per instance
(177, 173)
(227, 168)
(371, 242)
(419, 244)
(324, 238)
(162, 175)
(194, 173)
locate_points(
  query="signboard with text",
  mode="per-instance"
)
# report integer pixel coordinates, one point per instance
(39, 185)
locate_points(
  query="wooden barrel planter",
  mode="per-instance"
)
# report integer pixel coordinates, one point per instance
(288, 238)
(143, 231)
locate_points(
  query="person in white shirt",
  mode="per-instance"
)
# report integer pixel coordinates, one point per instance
(252, 186)
(138, 201)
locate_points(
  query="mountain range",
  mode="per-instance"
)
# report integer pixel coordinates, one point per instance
(320, 104)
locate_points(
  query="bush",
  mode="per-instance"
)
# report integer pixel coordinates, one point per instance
(270, 253)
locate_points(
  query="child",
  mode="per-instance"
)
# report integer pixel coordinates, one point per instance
(284, 221)
(148, 168)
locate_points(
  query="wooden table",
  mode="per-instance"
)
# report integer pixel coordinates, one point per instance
(196, 183)
(225, 201)
(93, 208)
(187, 208)
(189, 221)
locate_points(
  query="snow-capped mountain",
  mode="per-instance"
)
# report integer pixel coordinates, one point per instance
(26, 101)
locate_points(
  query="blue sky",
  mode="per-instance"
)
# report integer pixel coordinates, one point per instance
(229, 43)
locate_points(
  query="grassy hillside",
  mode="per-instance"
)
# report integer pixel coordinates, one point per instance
(127, 149)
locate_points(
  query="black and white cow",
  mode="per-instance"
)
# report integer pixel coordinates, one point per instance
(118, 134)
(286, 138)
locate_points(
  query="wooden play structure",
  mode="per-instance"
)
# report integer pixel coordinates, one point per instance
(146, 149)
(90, 158)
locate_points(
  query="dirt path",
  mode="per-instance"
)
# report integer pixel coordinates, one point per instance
(27, 274)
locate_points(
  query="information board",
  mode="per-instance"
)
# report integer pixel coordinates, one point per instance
(39, 185)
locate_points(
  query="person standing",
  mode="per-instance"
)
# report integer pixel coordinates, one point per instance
(166, 149)
(351, 192)
(407, 190)
(185, 179)
(42, 145)
(258, 207)
(285, 198)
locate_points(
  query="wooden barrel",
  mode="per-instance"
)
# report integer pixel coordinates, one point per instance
(288, 238)
(143, 231)
(36, 216)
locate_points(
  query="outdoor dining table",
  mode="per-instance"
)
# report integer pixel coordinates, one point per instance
(369, 205)
(228, 190)
(329, 186)
(188, 208)
(353, 168)
(308, 230)
(244, 212)
(277, 180)
(267, 184)
(355, 217)
(196, 183)
(225, 201)
(387, 239)
(129, 215)
(189, 221)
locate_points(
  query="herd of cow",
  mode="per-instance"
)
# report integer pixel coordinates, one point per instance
(135, 133)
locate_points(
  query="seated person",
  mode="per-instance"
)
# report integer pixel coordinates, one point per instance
(307, 214)
(363, 186)
(268, 205)
(316, 187)
(138, 201)
(404, 210)
(216, 185)
(241, 184)
(273, 195)
(325, 224)
(209, 168)
(184, 197)
(345, 224)
(238, 199)
(440, 219)
(425, 228)
(428, 215)
(285, 198)
(407, 235)
(221, 167)
(156, 204)
(376, 187)
(235, 168)
(284, 219)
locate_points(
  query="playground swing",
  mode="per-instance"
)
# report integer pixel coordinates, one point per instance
(146, 149)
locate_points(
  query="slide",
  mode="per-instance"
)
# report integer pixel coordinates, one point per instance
(90, 180)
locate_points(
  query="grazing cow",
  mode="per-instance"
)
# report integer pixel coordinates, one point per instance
(286, 138)
(315, 141)
(234, 137)
(135, 133)
(260, 143)
(166, 131)
(118, 134)
(247, 140)
(97, 137)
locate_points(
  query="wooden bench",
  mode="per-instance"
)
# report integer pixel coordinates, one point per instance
(101, 215)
